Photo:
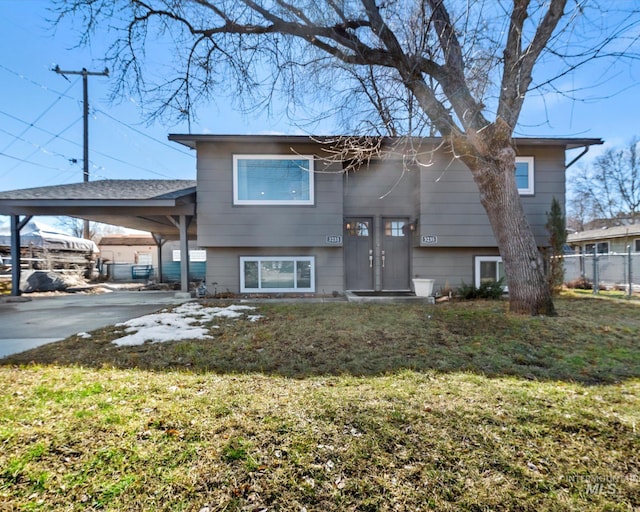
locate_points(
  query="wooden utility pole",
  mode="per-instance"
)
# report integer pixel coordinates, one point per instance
(85, 100)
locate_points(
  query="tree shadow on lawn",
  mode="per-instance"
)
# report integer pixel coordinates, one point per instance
(591, 342)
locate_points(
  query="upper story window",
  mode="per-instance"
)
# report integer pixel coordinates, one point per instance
(524, 175)
(272, 179)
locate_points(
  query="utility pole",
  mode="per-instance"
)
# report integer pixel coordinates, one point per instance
(85, 100)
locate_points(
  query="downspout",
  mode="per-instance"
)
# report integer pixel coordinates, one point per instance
(584, 152)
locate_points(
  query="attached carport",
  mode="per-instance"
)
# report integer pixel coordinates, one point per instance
(165, 208)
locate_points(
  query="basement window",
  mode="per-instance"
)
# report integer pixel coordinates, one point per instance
(488, 269)
(277, 274)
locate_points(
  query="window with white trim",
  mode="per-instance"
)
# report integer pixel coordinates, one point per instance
(525, 175)
(488, 269)
(264, 274)
(636, 245)
(273, 179)
(600, 247)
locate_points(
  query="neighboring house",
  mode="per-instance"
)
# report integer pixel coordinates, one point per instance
(121, 254)
(274, 216)
(129, 249)
(606, 240)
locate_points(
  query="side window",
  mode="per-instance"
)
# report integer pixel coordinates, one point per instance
(636, 245)
(488, 269)
(600, 247)
(273, 179)
(525, 175)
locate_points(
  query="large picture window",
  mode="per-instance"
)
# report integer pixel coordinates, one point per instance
(277, 274)
(488, 269)
(272, 179)
(525, 175)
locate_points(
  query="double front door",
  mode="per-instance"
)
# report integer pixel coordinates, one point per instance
(377, 253)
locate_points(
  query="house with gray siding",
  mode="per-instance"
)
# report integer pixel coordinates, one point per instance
(279, 214)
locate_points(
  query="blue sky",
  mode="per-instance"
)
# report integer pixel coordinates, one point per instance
(41, 112)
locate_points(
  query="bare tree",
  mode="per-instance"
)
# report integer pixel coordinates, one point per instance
(465, 66)
(607, 191)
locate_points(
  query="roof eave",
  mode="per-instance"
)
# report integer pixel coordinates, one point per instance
(191, 140)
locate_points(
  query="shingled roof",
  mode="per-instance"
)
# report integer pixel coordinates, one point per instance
(147, 205)
(605, 233)
(106, 190)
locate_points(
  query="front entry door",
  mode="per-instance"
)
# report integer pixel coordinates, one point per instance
(377, 252)
(396, 244)
(358, 248)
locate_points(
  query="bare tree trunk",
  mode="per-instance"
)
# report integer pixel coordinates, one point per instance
(529, 292)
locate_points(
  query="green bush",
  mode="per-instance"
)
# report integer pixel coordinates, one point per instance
(488, 290)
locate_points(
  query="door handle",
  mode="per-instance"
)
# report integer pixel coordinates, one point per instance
(383, 258)
(370, 258)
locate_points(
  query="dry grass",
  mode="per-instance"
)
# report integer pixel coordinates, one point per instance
(592, 341)
(367, 408)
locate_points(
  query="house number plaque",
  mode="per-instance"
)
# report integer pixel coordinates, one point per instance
(429, 239)
(334, 239)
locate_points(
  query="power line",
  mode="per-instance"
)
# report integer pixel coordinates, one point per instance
(65, 95)
(21, 160)
(75, 143)
(36, 120)
(56, 136)
(37, 146)
(42, 147)
(37, 84)
(173, 147)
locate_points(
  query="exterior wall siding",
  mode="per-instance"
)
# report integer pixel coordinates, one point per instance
(441, 195)
(223, 266)
(448, 267)
(381, 189)
(450, 208)
(223, 224)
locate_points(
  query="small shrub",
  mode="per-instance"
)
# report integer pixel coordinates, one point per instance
(581, 283)
(487, 290)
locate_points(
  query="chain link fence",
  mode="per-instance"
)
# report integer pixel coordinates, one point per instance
(605, 271)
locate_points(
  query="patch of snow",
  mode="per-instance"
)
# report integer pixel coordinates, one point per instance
(184, 322)
(84, 335)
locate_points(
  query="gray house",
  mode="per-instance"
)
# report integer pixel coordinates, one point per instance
(277, 214)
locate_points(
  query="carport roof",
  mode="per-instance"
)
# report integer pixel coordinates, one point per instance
(148, 205)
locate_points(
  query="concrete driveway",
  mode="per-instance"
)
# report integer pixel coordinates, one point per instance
(27, 322)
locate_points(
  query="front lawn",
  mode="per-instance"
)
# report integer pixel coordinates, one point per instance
(334, 407)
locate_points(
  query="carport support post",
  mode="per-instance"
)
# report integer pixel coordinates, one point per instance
(159, 243)
(16, 227)
(184, 254)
